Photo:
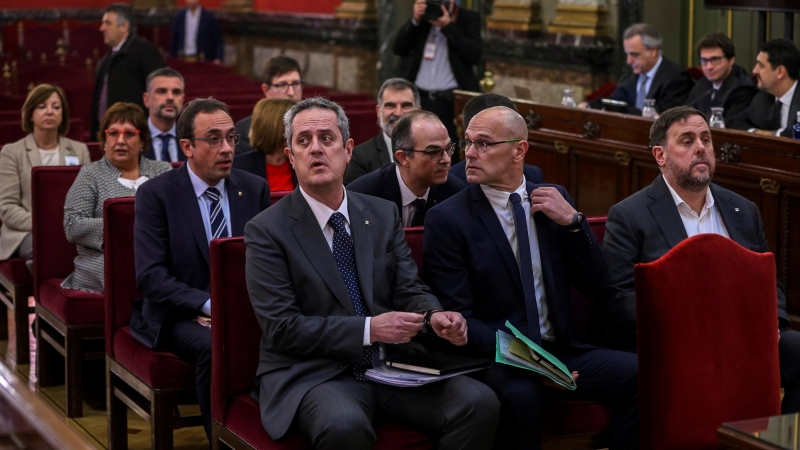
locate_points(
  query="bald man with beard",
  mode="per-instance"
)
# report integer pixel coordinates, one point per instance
(474, 265)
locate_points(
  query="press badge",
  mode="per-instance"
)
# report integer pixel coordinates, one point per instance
(72, 160)
(430, 50)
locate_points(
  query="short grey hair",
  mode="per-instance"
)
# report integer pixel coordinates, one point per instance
(124, 14)
(650, 36)
(318, 103)
(398, 84)
(163, 72)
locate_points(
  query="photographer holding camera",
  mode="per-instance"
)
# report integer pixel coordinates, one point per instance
(444, 43)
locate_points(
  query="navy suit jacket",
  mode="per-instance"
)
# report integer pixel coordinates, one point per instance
(255, 163)
(532, 174)
(758, 113)
(383, 183)
(171, 247)
(209, 36)
(646, 225)
(470, 267)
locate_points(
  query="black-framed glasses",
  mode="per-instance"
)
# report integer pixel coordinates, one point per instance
(714, 61)
(284, 87)
(216, 141)
(436, 153)
(482, 146)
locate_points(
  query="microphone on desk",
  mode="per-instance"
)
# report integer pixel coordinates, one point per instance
(694, 102)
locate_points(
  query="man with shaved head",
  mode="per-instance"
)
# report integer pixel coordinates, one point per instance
(506, 249)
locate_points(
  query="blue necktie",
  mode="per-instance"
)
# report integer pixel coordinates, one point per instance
(165, 138)
(642, 92)
(526, 266)
(346, 261)
(216, 217)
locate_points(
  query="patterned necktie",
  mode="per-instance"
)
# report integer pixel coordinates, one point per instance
(346, 261)
(165, 138)
(526, 266)
(102, 104)
(642, 94)
(419, 212)
(216, 217)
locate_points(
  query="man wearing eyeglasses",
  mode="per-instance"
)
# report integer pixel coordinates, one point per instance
(505, 249)
(721, 75)
(281, 80)
(177, 216)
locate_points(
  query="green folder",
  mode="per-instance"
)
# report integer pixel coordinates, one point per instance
(519, 351)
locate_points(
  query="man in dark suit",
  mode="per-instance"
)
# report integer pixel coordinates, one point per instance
(122, 73)
(177, 215)
(505, 249)
(282, 79)
(164, 100)
(443, 49)
(420, 177)
(682, 202)
(196, 34)
(773, 110)
(395, 98)
(477, 104)
(333, 283)
(654, 76)
(721, 75)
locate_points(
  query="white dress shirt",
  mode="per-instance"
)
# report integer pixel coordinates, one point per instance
(157, 143)
(708, 221)
(505, 214)
(786, 104)
(650, 75)
(323, 214)
(50, 157)
(388, 141)
(436, 74)
(133, 184)
(407, 198)
(192, 28)
(116, 48)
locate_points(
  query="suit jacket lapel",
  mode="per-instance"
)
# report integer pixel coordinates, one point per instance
(191, 209)
(236, 203)
(728, 209)
(33, 151)
(543, 239)
(391, 189)
(312, 242)
(383, 152)
(363, 243)
(665, 212)
(484, 210)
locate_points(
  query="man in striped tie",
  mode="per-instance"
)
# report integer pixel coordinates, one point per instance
(176, 219)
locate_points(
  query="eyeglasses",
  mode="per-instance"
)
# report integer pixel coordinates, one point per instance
(284, 87)
(436, 154)
(216, 141)
(113, 134)
(714, 60)
(482, 146)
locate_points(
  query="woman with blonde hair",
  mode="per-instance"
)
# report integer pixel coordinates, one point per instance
(45, 117)
(266, 136)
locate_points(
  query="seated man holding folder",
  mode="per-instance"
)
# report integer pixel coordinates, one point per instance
(331, 277)
(474, 264)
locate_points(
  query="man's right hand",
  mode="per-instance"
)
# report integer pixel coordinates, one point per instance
(395, 327)
(419, 9)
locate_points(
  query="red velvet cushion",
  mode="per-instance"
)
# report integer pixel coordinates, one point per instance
(73, 307)
(160, 370)
(16, 271)
(414, 240)
(571, 417)
(244, 420)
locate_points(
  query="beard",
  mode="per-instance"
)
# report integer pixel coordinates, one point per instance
(388, 126)
(685, 179)
(168, 116)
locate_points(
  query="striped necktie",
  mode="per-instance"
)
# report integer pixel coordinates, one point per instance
(216, 217)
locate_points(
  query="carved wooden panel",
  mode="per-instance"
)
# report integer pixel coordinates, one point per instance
(593, 182)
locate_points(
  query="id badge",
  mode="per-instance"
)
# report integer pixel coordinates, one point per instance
(430, 50)
(72, 160)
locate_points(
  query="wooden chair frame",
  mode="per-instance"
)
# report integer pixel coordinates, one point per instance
(15, 298)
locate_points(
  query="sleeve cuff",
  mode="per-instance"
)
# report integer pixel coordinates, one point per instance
(206, 308)
(415, 22)
(367, 337)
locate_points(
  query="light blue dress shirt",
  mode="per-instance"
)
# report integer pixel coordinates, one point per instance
(157, 143)
(200, 187)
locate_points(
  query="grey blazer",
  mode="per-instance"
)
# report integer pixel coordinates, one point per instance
(367, 157)
(83, 217)
(311, 332)
(16, 162)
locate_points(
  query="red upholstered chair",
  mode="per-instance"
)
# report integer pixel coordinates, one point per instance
(151, 383)
(363, 125)
(414, 240)
(695, 72)
(16, 285)
(604, 91)
(69, 323)
(707, 341)
(235, 339)
(95, 151)
(277, 195)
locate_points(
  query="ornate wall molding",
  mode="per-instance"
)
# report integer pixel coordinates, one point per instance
(591, 130)
(730, 153)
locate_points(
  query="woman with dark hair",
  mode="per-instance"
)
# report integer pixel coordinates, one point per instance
(45, 117)
(125, 138)
(266, 136)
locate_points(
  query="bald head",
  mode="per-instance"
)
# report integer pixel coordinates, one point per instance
(500, 137)
(507, 119)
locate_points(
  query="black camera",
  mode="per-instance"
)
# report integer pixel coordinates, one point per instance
(433, 9)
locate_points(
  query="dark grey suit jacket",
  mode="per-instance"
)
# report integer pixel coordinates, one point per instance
(242, 128)
(367, 157)
(759, 113)
(311, 330)
(647, 225)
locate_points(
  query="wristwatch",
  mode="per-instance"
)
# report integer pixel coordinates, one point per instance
(577, 222)
(428, 314)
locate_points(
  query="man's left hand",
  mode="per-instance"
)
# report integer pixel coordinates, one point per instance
(450, 325)
(550, 201)
(444, 20)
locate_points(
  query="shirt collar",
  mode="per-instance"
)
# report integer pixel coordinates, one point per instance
(196, 12)
(321, 212)
(405, 193)
(155, 132)
(119, 46)
(500, 198)
(652, 73)
(786, 99)
(678, 200)
(200, 186)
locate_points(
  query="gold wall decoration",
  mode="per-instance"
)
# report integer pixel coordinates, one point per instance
(561, 147)
(623, 158)
(487, 82)
(515, 16)
(237, 5)
(770, 186)
(582, 20)
(357, 9)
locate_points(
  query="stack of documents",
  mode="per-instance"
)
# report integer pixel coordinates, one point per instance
(396, 377)
(519, 351)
